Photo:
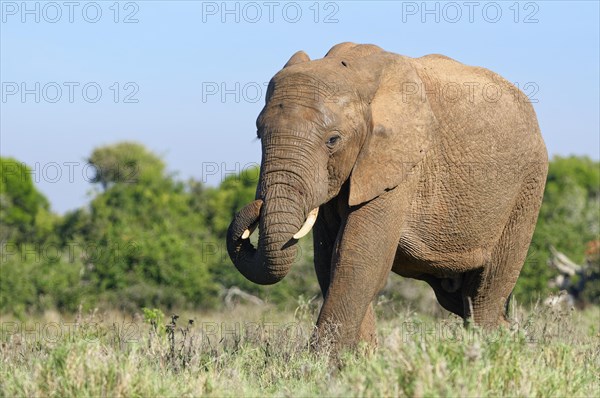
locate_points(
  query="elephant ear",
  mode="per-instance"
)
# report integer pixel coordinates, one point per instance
(401, 133)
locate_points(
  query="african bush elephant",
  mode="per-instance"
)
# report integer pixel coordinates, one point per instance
(423, 166)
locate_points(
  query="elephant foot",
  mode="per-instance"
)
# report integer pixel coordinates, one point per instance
(325, 338)
(368, 332)
(328, 338)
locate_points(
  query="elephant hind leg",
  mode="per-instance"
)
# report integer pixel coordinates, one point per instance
(449, 300)
(486, 291)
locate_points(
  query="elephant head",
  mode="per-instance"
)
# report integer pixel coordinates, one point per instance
(351, 117)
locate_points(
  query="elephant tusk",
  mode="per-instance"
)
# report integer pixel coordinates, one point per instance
(249, 231)
(308, 224)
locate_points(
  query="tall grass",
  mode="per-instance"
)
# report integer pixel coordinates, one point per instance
(259, 351)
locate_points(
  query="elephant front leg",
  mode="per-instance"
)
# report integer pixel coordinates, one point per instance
(367, 331)
(361, 262)
(325, 235)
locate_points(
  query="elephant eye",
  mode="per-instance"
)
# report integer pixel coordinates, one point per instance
(333, 140)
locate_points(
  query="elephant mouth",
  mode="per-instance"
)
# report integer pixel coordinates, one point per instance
(271, 260)
(251, 215)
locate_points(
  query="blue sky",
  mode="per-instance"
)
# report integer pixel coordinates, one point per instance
(169, 59)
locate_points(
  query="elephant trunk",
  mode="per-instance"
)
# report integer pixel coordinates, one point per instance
(279, 218)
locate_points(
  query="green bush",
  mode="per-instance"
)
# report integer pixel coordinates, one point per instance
(37, 278)
(147, 239)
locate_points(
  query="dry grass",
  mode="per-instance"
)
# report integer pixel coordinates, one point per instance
(259, 351)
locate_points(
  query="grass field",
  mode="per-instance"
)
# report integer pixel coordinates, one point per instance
(263, 351)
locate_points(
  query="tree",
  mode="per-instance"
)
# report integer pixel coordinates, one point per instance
(24, 211)
(151, 242)
(125, 162)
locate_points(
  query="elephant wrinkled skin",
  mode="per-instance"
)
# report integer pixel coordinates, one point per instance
(422, 166)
